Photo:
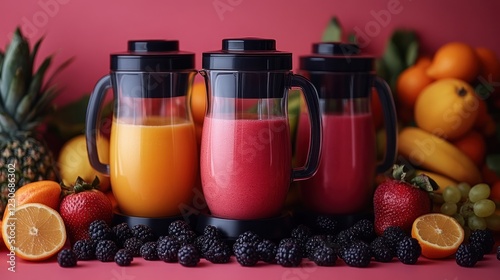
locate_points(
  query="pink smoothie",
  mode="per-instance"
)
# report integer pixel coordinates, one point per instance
(344, 181)
(245, 166)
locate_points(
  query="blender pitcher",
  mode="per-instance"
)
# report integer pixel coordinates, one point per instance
(153, 150)
(246, 154)
(345, 178)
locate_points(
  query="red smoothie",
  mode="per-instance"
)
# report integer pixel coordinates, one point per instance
(344, 181)
(245, 166)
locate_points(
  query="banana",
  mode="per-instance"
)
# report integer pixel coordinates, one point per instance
(432, 153)
(441, 180)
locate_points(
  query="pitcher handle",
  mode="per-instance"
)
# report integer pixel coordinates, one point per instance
(390, 123)
(92, 127)
(311, 97)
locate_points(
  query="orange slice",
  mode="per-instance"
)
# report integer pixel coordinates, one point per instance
(35, 230)
(438, 235)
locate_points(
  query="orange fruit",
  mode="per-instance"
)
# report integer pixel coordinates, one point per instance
(45, 192)
(447, 108)
(423, 61)
(473, 145)
(438, 235)
(74, 162)
(37, 229)
(198, 102)
(410, 83)
(484, 121)
(455, 60)
(489, 64)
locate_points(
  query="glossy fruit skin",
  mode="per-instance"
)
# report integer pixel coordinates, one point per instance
(398, 203)
(78, 210)
(410, 83)
(455, 60)
(447, 108)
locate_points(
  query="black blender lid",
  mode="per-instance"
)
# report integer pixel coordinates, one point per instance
(153, 56)
(247, 54)
(336, 57)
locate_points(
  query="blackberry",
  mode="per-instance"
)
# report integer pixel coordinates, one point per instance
(484, 238)
(123, 257)
(324, 256)
(188, 256)
(167, 248)
(206, 244)
(148, 251)
(67, 258)
(99, 230)
(248, 237)
(178, 227)
(357, 255)
(105, 250)
(466, 256)
(219, 252)
(133, 245)
(409, 250)
(325, 225)
(313, 243)
(478, 248)
(364, 230)
(289, 254)
(143, 232)
(84, 249)
(301, 233)
(345, 238)
(121, 233)
(381, 253)
(187, 237)
(212, 232)
(392, 236)
(246, 253)
(266, 249)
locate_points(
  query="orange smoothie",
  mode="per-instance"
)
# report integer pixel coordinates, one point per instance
(153, 166)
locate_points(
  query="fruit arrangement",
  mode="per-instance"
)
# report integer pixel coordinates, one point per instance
(25, 101)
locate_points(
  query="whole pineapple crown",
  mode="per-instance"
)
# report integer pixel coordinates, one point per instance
(24, 99)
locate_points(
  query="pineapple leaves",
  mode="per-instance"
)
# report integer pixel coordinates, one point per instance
(333, 31)
(24, 106)
(15, 67)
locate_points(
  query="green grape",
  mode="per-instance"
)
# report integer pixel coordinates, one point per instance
(467, 209)
(484, 208)
(449, 208)
(475, 223)
(452, 194)
(459, 218)
(493, 222)
(464, 189)
(478, 192)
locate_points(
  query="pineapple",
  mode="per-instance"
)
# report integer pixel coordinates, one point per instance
(24, 102)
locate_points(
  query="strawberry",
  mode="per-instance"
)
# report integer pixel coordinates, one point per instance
(82, 204)
(398, 203)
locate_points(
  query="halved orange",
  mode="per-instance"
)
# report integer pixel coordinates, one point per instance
(438, 235)
(35, 230)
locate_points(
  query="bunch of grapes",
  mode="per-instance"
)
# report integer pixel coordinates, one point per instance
(471, 206)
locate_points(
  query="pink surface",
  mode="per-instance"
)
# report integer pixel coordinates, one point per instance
(344, 181)
(141, 269)
(90, 31)
(245, 166)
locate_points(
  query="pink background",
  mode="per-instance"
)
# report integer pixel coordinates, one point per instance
(91, 30)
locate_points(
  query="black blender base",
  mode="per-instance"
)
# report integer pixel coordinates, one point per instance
(344, 221)
(275, 228)
(159, 225)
